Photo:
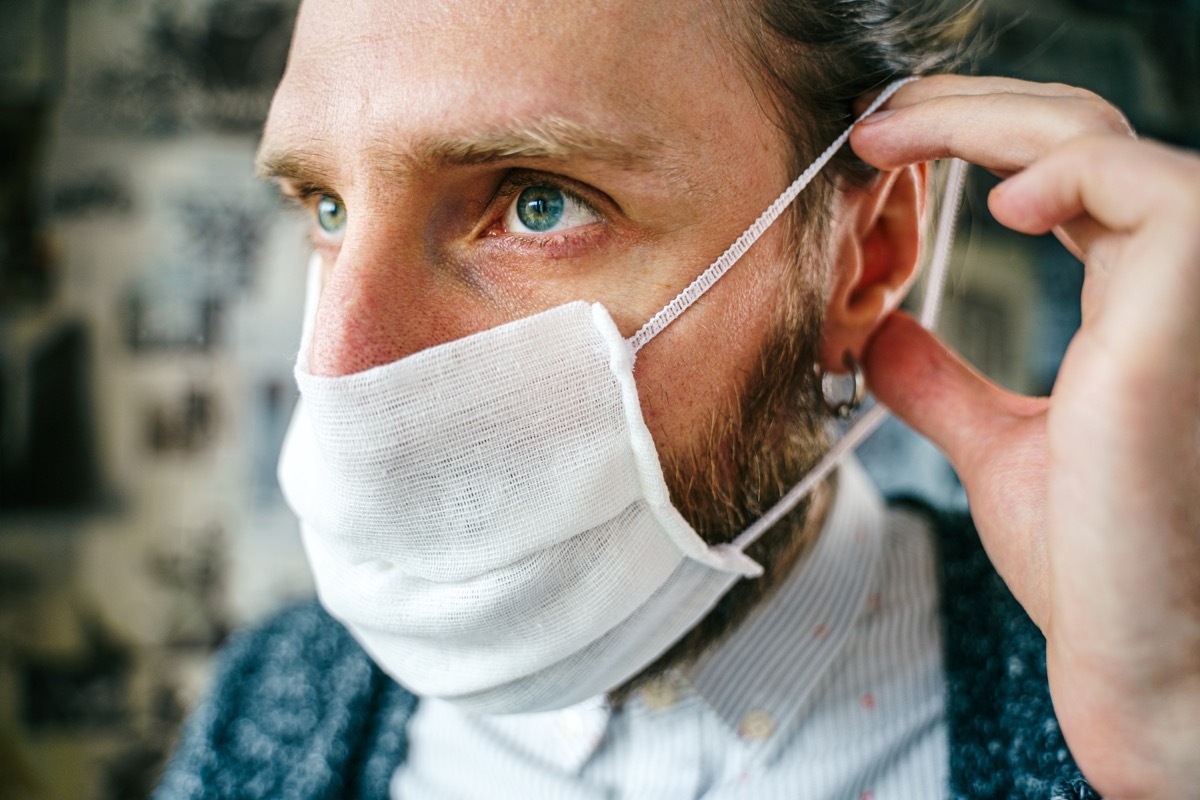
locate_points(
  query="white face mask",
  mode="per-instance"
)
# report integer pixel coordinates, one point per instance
(489, 518)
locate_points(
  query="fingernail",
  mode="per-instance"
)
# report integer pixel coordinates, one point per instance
(878, 116)
(1005, 186)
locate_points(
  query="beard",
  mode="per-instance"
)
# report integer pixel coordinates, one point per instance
(752, 454)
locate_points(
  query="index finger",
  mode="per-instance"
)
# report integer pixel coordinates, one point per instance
(1001, 124)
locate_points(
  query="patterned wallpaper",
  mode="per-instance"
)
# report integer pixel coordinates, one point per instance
(147, 339)
(150, 294)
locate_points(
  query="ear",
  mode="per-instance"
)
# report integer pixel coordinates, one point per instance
(876, 248)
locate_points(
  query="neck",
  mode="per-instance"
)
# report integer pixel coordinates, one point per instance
(802, 528)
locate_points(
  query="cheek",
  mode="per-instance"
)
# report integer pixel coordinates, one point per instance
(695, 372)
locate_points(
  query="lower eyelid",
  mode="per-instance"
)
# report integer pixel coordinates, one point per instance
(562, 244)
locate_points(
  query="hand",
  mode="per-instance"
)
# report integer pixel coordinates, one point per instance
(1088, 501)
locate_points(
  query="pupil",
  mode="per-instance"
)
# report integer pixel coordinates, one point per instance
(540, 208)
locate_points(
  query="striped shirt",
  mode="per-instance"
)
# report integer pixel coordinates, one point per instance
(833, 688)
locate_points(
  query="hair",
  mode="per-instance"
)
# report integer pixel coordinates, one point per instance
(811, 63)
(815, 59)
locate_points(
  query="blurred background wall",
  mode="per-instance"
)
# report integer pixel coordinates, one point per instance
(150, 295)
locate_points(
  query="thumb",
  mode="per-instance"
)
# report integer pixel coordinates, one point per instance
(996, 441)
(912, 372)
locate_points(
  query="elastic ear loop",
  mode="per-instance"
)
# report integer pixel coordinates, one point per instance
(696, 289)
(931, 305)
(865, 425)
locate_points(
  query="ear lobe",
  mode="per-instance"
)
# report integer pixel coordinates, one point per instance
(876, 252)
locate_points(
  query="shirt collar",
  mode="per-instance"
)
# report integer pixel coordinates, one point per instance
(760, 678)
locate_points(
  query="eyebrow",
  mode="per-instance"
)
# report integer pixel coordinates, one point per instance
(544, 139)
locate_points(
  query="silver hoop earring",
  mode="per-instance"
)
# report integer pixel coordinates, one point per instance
(843, 393)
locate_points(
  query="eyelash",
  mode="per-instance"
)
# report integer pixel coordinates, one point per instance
(304, 197)
(301, 199)
(517, 181)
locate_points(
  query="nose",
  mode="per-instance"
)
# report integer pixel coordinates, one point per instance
(379, 303)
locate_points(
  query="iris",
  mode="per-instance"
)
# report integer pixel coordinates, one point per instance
(331, 215)
(541, 208)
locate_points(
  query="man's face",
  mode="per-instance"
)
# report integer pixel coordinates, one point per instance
(494, 160)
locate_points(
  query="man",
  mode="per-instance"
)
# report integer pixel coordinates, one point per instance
(472, 167)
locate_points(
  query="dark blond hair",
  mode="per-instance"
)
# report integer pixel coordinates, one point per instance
(815, 58)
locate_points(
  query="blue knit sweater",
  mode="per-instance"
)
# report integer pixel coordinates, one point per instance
(299, 711)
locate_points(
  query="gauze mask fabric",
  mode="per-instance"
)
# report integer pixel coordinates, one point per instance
(489, 518)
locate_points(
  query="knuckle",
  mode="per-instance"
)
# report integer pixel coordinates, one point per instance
(1093, 112)
(1117, 122)
(1104, 116)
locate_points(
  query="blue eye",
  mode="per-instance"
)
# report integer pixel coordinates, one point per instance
(331, 215)
(540, 208)
(547, 209)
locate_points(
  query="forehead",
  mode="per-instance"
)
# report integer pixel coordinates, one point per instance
(366, 70)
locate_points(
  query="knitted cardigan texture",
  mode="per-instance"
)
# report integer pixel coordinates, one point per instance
(299, 711)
